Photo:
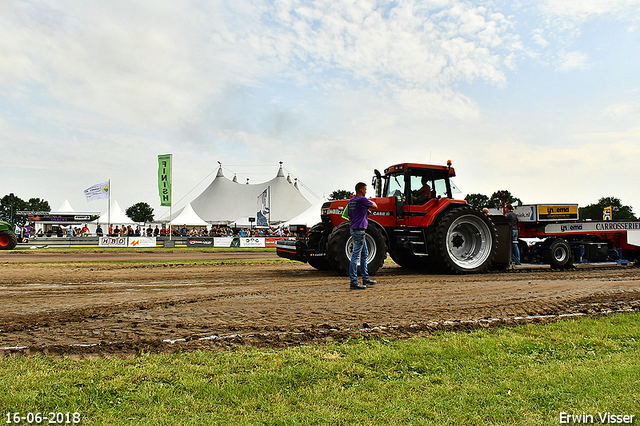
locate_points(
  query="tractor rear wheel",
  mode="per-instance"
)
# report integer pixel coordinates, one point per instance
(340, 247)
(318, 242)
(465, 241)
(8, 240)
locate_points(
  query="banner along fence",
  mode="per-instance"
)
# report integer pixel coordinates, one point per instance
(196, 242)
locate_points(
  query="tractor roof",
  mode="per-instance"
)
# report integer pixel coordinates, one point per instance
(416, 166)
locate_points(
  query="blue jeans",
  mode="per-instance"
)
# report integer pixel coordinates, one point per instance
(514, 244)
(359, 252)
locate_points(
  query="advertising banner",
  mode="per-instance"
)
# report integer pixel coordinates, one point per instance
(142, 242)
(164, 179)
(200, 242)
(263, 208)
(56, 217)
(251, 242)
(525, 213)
(556, 212)
(271, 241)
(587, 227)
(225, 242)
(112, 242)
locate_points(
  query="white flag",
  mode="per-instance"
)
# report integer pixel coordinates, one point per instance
(97, 191)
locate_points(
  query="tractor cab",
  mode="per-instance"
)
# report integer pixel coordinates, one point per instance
(414, 185)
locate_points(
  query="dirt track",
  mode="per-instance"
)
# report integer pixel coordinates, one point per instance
(94, 308)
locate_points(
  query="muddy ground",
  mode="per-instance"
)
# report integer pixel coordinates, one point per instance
(86, 305)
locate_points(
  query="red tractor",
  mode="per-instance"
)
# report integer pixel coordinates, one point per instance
(417, 222)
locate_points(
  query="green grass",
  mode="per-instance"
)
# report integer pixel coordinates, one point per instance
(524, 375)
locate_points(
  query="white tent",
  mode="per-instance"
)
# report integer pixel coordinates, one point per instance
(188, 217)
(65, 208)
(227, 200)
(309, 217)
(242, 222)
(117, 216)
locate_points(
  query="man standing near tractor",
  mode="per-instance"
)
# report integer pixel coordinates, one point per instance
(358, 211)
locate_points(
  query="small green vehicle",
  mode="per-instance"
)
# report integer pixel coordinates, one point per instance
(8, 239)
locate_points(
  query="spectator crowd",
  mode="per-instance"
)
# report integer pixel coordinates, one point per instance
(28, 231)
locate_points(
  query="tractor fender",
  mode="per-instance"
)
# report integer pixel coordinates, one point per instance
(438, 209)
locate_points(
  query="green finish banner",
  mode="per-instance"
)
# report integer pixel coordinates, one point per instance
(164, 179)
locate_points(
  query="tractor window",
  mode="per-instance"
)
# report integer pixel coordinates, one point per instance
(441, 188)
(395, 186)
(424, 187)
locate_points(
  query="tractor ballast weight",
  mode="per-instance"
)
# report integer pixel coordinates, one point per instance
(8, 239)
(417, 222)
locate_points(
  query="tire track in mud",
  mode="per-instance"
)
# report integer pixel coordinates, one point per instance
(90, 310)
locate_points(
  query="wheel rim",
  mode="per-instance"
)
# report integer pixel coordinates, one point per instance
(560, 254)
(371, 248)
(469, 242)
(4, 241)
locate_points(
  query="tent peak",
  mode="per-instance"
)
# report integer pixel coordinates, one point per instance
(65, 207)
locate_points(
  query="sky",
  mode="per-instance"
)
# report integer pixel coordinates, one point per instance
(541, 98)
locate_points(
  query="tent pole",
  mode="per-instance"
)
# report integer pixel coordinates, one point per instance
(109, 209)
(269, 195)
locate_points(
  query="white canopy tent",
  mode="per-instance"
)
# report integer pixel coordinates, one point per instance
(309, 217)
(117, 216)
(188, 217)
(226, 200)
(65, 208)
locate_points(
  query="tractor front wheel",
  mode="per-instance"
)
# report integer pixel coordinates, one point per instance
(340, 247)
(318, 241)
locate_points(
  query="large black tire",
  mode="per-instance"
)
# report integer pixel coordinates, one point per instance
(318, 241)
(557, 253)
(8, 240)
(340, 245)
(465, 241)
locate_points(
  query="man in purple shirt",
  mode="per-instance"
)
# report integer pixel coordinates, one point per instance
(358, 211)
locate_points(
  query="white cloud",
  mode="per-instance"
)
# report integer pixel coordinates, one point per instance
(574, 12)
(539, 39)
(412, 45)
(571, 61)
(624, 110)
